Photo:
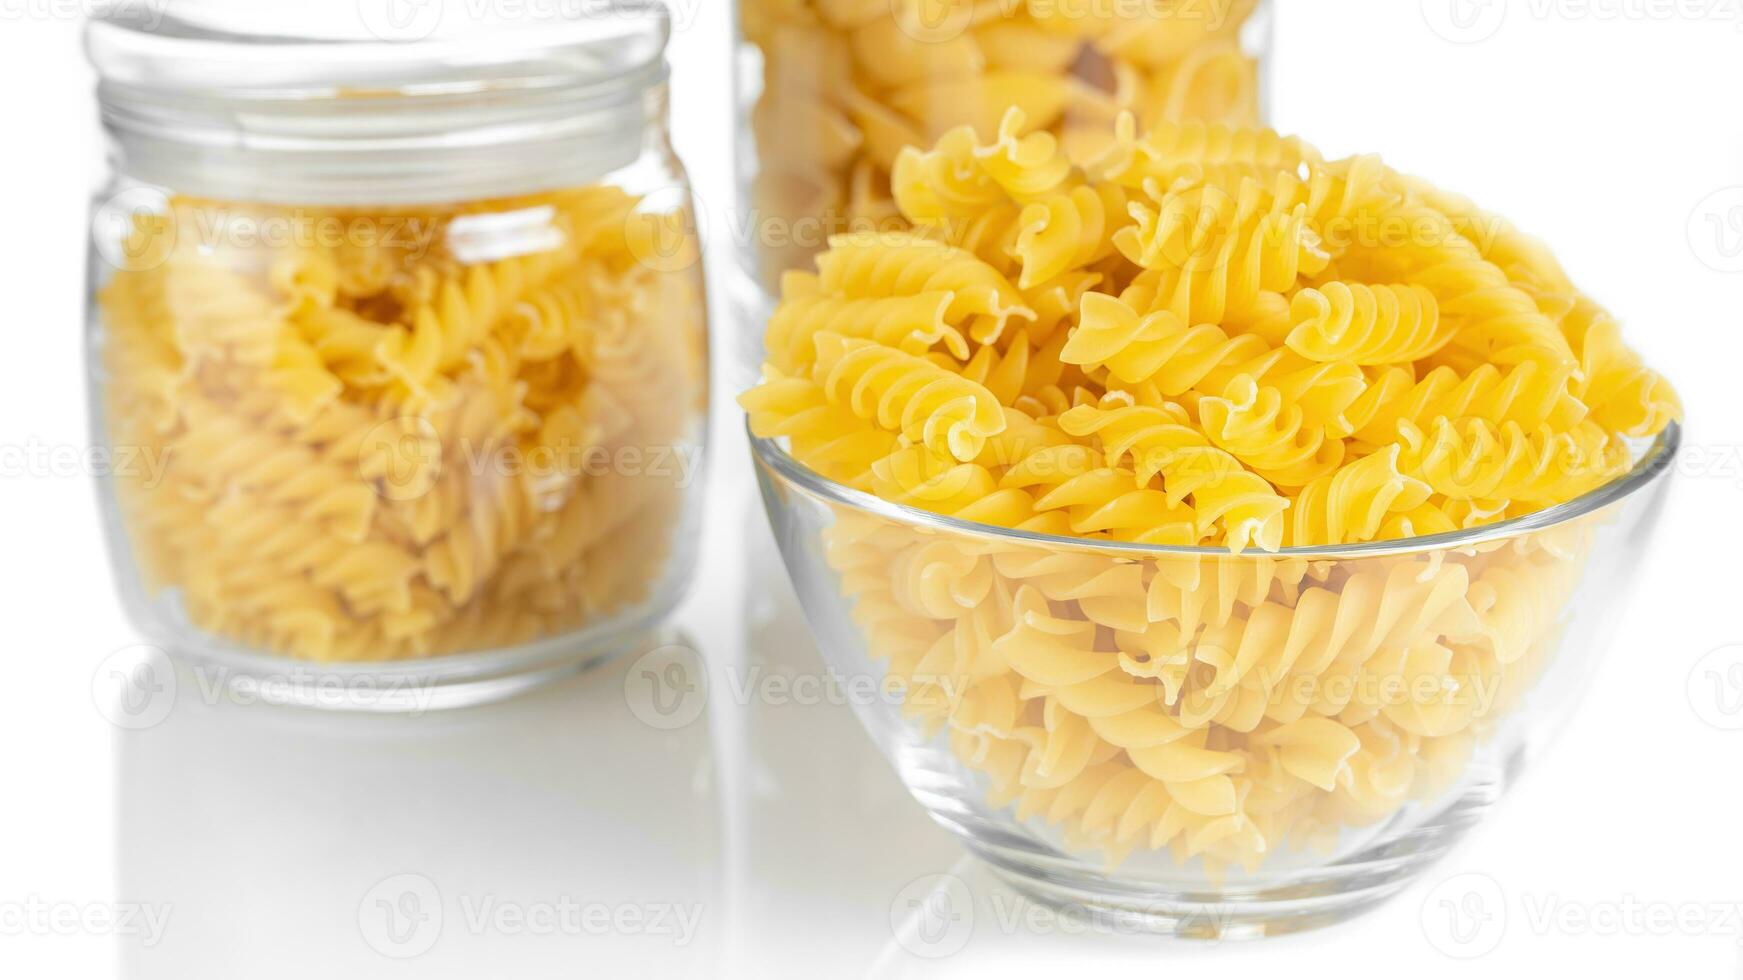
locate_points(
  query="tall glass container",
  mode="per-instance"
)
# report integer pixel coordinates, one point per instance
(831, 91)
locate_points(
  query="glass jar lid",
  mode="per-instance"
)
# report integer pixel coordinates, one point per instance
(378, 101)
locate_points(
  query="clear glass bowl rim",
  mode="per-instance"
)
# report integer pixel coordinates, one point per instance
(1654, 462)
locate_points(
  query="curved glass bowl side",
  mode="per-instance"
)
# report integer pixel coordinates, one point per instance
(1063, 793)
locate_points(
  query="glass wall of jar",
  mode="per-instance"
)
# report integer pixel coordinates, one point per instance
(399, 344)
(831, 91)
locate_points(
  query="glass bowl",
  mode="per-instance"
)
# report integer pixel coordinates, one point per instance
(1200, 743)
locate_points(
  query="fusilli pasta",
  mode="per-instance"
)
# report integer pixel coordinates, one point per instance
(847, 87)
(439, 437)
(1229, 363)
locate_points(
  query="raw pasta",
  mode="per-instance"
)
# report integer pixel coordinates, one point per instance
(1196, 339)
(390, 433)
(846, 86)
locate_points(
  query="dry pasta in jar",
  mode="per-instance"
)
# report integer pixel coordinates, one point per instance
(420, 405)
(838, 87)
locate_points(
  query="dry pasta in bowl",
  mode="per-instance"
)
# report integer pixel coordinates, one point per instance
(1227, 548)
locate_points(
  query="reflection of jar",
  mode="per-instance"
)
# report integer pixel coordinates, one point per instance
(400, 348)
(833, 89)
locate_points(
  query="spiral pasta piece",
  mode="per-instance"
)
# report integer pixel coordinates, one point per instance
(1366, 325)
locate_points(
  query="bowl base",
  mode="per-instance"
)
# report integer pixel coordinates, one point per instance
(1314, 899)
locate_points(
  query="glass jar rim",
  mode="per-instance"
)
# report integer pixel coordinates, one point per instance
(306, 120)
(1651, 465)
(576, 43)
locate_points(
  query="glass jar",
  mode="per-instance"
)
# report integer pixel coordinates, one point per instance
(831, 91)
(398, 337)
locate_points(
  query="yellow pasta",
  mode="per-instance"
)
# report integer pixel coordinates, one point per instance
(467, 429)
(848, 87)
(1228, 360)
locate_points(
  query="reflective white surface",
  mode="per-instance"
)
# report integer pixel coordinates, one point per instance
(640, 815)
(707, 806)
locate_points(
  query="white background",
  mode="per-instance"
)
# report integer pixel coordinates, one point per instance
(1610, 128)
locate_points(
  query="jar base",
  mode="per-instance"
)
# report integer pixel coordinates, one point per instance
(1299, 902)
(439, 684)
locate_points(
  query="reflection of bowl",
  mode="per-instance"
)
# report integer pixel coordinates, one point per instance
(1199, 742)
